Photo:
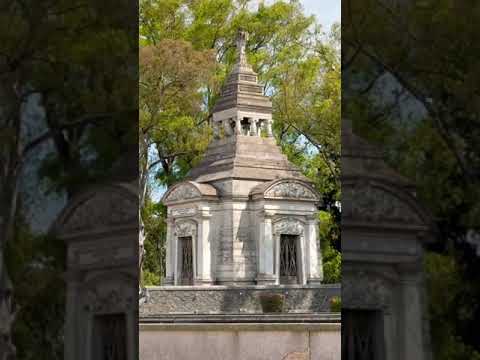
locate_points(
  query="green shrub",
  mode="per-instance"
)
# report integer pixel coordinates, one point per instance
(272, 303)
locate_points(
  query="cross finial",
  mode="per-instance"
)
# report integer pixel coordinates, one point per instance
(242, 38)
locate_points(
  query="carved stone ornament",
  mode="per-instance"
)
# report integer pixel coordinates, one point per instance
(288, 227)
(103, 210)
(110, 302)
(364, 202)
(185, 229)
(365, 291)
(183, 212)
(183, 192)
(290, 190)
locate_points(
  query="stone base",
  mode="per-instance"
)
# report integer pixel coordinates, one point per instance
(202, 282)
(175, 300)
(266, 279)
(314, 281)
(168, 280)
(233, 341)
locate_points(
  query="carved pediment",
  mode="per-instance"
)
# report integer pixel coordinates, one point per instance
(109, 297)
(290, 189)
(183, 192)
(368, 203)
(103, 209)
(365, 291)
(288, 227)
(187, 228)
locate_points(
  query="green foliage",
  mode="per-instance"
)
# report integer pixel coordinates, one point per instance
(272, 303)
(153, 216)
(36, 264)
(446, 295)
(298, 63)
(336, 304)
(416, 94)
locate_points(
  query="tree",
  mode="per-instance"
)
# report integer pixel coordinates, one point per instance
(60, 54)
(294, 59)
(410, 83)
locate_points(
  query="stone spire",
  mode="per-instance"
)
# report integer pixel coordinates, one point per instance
(241, 43)
(243, 145)
(242, 109)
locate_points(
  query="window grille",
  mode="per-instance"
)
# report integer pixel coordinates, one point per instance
(288, 259)
(110, 337)
(187, 260)
(362, 335)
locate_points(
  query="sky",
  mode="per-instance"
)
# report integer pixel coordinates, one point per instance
(326, 11)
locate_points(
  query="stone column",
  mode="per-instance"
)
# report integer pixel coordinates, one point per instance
(303, 274)
(216, 130)
(203, 258)
(227, 128)
(132, 335)
(253, 127)
(269, 128)
(266, 252)
(176, 260)
(313, 257)
(238, 126)
(169, 259)
(389, 331)
(413, 345)
(72, 297)
(87, 346)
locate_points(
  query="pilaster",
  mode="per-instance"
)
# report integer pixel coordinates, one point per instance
(169, 259)
(266, 251)
(313, 255)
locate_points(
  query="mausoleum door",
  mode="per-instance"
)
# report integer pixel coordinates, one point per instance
(289, 253)
(185, 242)
(186, 260)
(109, 337)
(362, 335)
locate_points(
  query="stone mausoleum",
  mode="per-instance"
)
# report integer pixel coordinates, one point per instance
(384, 230)
(244, 225)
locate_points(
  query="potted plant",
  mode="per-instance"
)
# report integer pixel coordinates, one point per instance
(272, 303)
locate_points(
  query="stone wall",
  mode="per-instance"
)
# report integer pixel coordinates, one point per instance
(237, 300)
(240, 341)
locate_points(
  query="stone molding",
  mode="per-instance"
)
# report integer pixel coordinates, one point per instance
(102, 296)
(183, 192)
(288, 226)
(189, 190)
(365, 290)
(366, 201)
(290, 189)
(102, 210)
(180, 212)
(185, 228)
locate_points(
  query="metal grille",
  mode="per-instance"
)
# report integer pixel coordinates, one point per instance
(112, 339)
(361, 335)
(288, 259)
(187, 260)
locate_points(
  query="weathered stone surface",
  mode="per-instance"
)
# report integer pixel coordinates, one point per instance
(237, 342)
(296, 356)
(168, 300)
(383, 231)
